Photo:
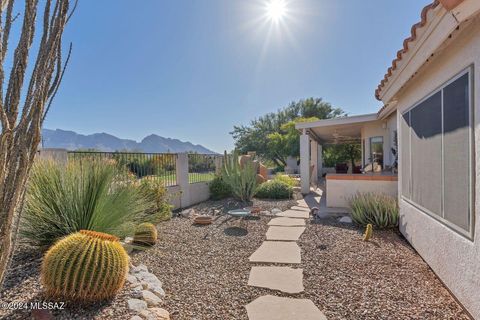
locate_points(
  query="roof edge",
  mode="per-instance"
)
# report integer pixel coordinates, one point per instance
(338, 121)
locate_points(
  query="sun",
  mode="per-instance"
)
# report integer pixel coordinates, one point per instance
(276, 9)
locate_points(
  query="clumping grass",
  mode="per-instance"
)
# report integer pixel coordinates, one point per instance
(85, 195)
(274, 189)
(377, 209)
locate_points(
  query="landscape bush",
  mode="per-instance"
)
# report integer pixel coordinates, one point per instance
(157, 196)
(274, 189)
(241, 179)
(292, 182)
(85, 266)
(84, 195)
(219, 189)
(377, 209)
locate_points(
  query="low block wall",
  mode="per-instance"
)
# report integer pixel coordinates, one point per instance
(340, 188)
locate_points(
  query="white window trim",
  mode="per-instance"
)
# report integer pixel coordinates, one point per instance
(469, 234)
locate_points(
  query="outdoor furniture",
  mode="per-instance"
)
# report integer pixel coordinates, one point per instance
(341, 168)
(357, 169)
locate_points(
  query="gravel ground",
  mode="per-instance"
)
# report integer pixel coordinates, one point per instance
(22, 285)
(205, 270)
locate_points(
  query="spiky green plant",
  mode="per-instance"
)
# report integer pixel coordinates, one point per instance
(241, 179)
(85, 266)
(82, 195)
(368, 232)
(145, 234)
(377, 209)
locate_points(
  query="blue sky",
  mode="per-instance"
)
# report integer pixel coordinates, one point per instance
(191, 69)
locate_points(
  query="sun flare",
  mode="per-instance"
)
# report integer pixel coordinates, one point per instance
(276, 9)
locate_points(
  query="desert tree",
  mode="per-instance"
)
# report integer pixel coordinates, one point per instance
(26, 94)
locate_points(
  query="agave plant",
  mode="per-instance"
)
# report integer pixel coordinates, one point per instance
(377, 209)
(83, 195)
(242, 179)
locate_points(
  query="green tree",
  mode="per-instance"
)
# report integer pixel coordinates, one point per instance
(341, 153)
(259, 135)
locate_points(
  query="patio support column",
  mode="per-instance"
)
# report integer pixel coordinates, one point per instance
(314, 161)
(319, 160)
(182, 179)
(305, 162)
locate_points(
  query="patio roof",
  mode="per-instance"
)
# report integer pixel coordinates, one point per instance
(337, 130)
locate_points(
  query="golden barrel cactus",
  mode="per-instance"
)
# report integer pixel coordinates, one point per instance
(85, 266)
(145, 234)
(368, 232)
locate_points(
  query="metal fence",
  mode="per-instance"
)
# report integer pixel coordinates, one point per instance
(201, 167)
(160, 167)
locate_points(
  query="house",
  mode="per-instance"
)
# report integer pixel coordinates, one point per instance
(431, 110)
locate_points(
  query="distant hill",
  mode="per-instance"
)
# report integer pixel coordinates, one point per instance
(106, 142)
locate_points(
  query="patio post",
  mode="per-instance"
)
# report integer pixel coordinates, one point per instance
(182, 179)
(319, 160)
(305, 162)
(314, 161)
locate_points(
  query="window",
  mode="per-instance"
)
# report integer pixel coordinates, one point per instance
(376, 151)
(436, 154)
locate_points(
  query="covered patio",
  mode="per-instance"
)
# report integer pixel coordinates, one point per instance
(376, 134)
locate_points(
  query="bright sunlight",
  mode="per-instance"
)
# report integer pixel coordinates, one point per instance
(276, 9)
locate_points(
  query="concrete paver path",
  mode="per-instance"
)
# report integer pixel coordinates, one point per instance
(278, 308)
(277, 252)
(284, 279)
(286, 222)
(284, 233)
(294, 214)
(300, 208)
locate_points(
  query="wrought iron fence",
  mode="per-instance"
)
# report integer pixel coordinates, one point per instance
(160, 167)
(201, 167)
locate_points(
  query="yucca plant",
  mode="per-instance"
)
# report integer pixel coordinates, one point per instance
(85, 266)
(83, 195)
(242, 179)
(380, 210)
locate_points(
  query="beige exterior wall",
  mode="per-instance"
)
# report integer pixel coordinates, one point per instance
(454, 258)
(340, 191)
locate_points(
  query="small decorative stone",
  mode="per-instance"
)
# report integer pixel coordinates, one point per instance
(275, 211)
(139, 268)
(161, 314)
(132, 280)
(345, 219)
(187, 213)
(136, 318)
(150, 298)
(136, 305)
(158, 291)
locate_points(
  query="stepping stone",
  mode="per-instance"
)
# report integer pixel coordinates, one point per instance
(302, 203)
(284, 233)
(294, 214)
(278, 308)
(286, 222)
(284, 279)
(277, 252)
(300, 208)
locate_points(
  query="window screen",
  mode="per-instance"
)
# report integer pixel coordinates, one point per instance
(435, 144)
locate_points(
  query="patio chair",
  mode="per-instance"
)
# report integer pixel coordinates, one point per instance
(341, 168)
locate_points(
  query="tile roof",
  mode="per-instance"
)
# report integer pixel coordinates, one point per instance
(401, 52)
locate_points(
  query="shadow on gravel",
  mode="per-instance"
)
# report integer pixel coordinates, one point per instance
(235, 232)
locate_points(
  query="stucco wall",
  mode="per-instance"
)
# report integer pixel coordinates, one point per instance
(340, 191)
(454, 258)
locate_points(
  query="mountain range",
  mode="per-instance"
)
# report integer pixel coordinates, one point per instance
(71, 140)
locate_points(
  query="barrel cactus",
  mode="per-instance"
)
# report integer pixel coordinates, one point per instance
(368, 232)
(145, 234)
(85, 266)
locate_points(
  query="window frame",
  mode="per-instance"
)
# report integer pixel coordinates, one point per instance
(469, 234)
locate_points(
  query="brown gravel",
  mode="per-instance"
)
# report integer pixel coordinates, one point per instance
(205, 271)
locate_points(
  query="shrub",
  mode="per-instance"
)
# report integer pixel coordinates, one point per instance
(145, 234)
(286, 179)
(219, 189)
(156, 194)
(84, 195)
(85, 266)
(377, 209)
(241, 179)
(274, 189)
